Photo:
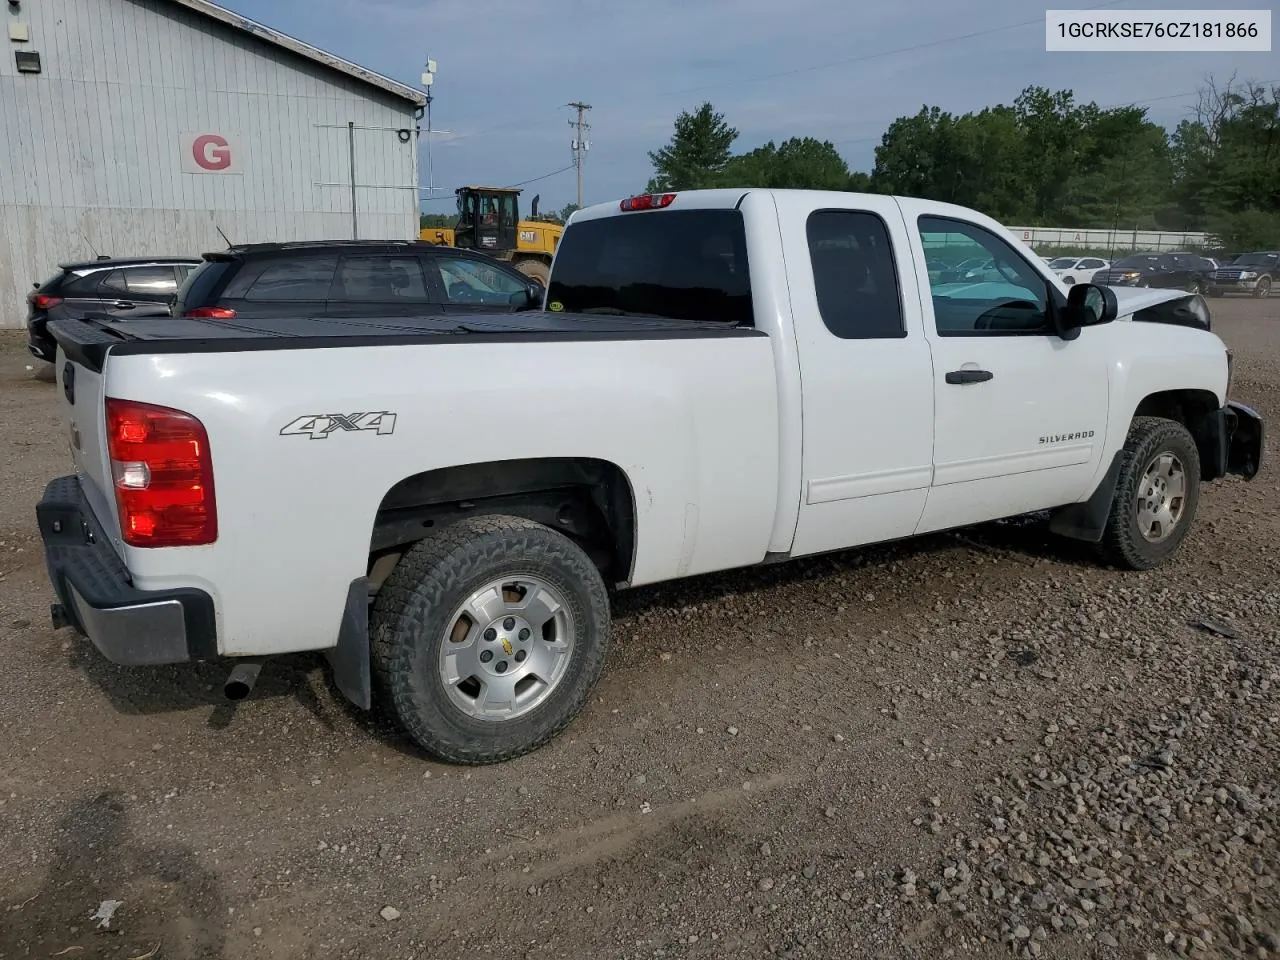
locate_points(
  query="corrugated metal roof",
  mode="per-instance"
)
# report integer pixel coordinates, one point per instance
(294, 45)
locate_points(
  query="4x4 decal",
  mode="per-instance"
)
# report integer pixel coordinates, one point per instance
(318, 426)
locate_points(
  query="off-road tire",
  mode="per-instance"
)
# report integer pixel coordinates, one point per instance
(410, 619)
(1123, 545)
(535, 268)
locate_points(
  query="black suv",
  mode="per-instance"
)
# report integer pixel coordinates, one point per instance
(1255, 273)
(121, 288)
(352, 278)
(1181, 271)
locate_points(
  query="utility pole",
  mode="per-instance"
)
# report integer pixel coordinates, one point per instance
(580, 144)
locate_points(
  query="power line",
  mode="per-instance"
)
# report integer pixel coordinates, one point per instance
(862, 58)
(545, 176)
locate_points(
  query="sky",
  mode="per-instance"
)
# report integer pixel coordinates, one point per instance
(836, 70)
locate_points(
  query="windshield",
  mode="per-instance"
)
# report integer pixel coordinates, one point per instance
(1137, 263)
(682, 264)
(1062, 263)
(1257, 260)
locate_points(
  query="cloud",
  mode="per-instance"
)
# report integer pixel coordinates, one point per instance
(824, 68)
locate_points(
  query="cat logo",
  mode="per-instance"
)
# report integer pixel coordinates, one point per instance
(528, 236)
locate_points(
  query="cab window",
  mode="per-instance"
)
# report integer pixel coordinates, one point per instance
(988, 289)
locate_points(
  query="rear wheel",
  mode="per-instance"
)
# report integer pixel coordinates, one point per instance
(1156, 495)
(488, 638)
(1195, 286)
(1262, 289)
(536, 269)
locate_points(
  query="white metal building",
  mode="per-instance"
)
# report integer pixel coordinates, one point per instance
(142, 127)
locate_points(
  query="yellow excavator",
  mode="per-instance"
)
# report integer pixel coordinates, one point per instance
(489, 221)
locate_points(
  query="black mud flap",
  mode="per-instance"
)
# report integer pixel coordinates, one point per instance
(1088, 521)
(350, 658)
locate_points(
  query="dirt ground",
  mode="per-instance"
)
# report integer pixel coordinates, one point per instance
(978, 744)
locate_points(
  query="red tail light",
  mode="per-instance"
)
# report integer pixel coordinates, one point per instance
(43, 301)
(163, 475)
(211, 313)
(647, 201)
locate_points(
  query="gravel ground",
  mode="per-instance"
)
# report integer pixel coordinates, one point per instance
(978, 744)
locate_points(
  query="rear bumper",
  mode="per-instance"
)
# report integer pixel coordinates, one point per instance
(96, 594)
(39, 343)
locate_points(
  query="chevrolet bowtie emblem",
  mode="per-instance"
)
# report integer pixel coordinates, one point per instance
(506, 645)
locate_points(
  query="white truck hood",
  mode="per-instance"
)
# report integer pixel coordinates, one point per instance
(1129, 300)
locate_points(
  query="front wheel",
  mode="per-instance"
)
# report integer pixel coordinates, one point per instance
(488, 638)
(1195, 286)
(1262, 289)
(1156, 495)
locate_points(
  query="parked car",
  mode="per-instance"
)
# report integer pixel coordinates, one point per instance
(124, 288)
(1254, 273)
(721, 378)
(1166, 271)
(1077, 269)
(351, 278)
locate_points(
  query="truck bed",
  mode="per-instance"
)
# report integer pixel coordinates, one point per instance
(87, 340)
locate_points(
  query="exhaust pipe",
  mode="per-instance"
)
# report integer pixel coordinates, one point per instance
(240, 680)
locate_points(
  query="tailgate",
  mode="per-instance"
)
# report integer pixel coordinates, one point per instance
(82, 393)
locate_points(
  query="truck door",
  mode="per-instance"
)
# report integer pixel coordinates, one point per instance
(1021, 414)
(865, 369)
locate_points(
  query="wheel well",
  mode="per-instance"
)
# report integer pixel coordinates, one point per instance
(1195, 410)
(588, 500)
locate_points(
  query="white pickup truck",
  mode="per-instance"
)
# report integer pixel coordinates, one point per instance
(718, 379)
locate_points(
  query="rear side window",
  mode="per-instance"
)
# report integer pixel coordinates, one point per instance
(683, 264)
(151, 281)
(854, 275)
(113, 285)
(306, 278)
(374, 279)
(82, 286)
(197, 289)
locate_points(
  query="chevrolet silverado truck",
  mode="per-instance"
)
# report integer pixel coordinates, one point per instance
(717, 379)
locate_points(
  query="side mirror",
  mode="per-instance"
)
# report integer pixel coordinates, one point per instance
(1098, 303)
(1088, 304)
(529, 297)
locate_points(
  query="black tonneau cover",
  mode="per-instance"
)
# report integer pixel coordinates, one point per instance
(87, 340)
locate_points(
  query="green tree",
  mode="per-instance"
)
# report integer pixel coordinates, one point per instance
(801, 163)
(1245, 230)
(696, 154)
(567, 211)
(1124, 175)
